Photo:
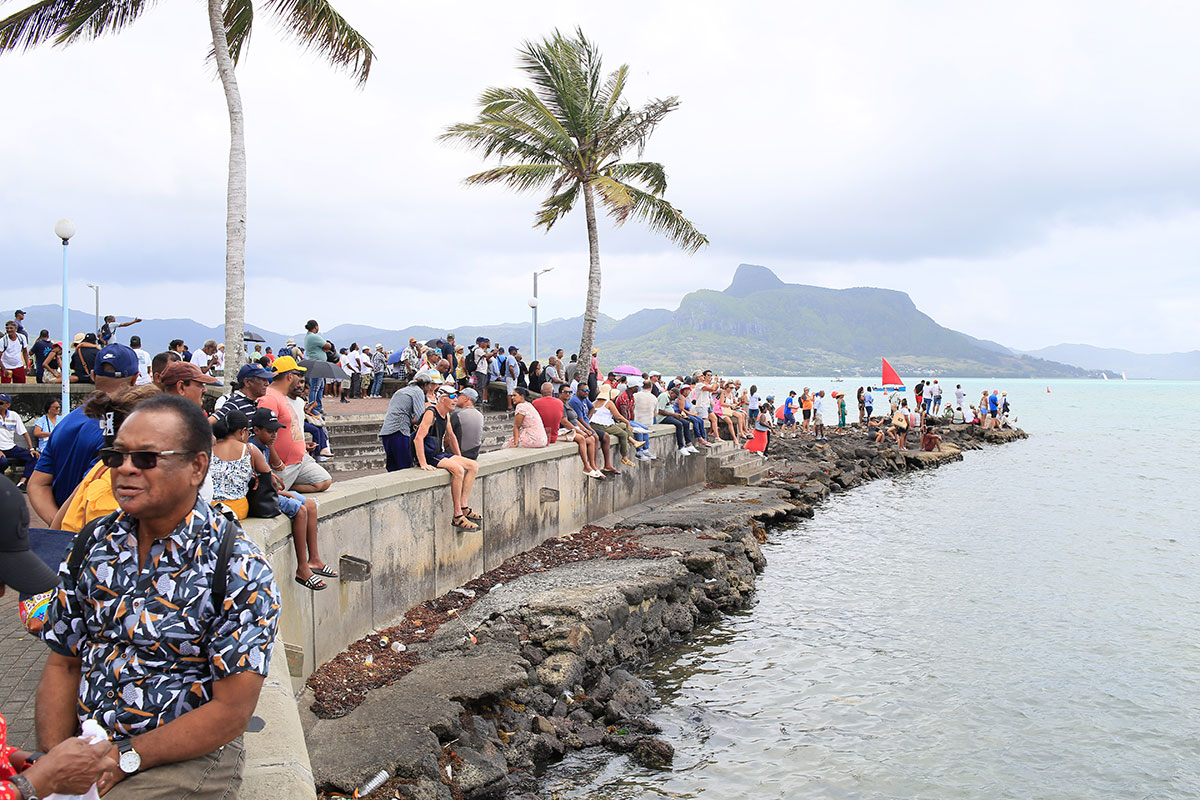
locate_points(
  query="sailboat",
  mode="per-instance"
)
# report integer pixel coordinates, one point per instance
(891, 381)
(1123, 377)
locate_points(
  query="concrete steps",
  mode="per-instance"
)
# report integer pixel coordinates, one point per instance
(733, 466)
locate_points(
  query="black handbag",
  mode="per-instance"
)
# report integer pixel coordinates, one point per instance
(262, 497)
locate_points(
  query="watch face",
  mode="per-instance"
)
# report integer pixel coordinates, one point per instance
(130, 762)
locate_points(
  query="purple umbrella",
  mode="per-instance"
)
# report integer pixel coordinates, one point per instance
(626, 369)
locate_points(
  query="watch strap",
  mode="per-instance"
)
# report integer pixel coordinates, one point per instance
(24, 787)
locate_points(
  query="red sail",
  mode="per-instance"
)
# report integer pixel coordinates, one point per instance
(890, 378)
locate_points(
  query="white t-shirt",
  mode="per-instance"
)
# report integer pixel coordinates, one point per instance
(10, 428)
(201, 359)
(645, 405)
(959, 397)
(11, 357)
(481, 360)
(143, 367)
(817, 407)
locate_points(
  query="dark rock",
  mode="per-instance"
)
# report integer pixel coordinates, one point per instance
(652, 752)
(481, 776)
(424, 789)
(591, 735)
(532, 654)
(580, 717)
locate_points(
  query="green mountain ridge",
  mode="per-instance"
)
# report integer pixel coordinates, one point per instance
(763, 326)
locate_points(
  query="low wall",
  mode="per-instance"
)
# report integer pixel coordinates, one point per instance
(396, 526)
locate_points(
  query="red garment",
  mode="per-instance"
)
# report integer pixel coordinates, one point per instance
(757, 443)
(624, 403)
(550, 409)
(7, 792)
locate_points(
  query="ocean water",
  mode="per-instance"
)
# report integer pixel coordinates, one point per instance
(1019, 625)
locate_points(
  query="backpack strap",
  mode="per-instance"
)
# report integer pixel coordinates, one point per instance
(224, 552)
(82, 543)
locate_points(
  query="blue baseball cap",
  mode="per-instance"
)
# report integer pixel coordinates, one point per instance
(253, 371)
(116, 361)
(5, 399)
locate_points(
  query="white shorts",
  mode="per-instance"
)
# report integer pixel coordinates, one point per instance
(307, 471)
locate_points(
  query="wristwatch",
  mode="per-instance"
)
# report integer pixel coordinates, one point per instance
(130, 762)
(24, 787)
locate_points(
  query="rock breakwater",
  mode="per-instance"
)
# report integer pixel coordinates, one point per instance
(540, 656)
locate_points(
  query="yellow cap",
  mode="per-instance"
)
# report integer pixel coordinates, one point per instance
(287, 364)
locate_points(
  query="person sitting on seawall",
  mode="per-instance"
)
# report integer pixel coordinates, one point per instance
(467, 422)
(301, 510)
(72, 765)
(148, 575)
(437, 448)
(583, 408)
(572, 428)
(931, 442)
(683, 407)
(621, 394)
(93, 497)
(605, 417)
(665, 414)
(528, 429)
(44, 426)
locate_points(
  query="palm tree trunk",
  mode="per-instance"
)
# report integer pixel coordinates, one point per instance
(235, 200)
(591, 311)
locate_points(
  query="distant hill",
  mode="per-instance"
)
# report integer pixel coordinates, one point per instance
(759, 325)
(1164, 366)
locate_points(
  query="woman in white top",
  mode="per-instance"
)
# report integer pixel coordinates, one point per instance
(605, 418)
(46, 422)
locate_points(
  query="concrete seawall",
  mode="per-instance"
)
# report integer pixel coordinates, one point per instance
(391, 539)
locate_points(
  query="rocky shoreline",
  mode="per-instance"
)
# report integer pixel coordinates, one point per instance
(541, 658)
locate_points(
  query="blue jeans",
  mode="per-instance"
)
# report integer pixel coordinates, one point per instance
(641, 435)
(316, 390)
(377, 384)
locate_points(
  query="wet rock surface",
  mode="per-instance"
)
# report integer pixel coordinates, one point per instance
(544, 662)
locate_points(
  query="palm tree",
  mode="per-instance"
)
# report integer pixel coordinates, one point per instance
(314, 23)
(568, 133)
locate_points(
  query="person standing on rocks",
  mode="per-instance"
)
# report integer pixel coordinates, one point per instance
(818, 401)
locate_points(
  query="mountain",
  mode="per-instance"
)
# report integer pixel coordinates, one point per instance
(1164, 366)
(759, 325)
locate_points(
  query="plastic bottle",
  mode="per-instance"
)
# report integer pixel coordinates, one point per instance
(373, 784)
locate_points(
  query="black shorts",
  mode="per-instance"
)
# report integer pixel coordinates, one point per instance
(992, 414)
(808, 413)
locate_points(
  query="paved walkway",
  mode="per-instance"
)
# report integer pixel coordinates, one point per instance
(21, 659)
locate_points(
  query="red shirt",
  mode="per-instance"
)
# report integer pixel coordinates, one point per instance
(6, 768)
(550, 409)
(624, 403)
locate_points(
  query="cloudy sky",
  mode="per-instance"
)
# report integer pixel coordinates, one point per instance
(1027, 172)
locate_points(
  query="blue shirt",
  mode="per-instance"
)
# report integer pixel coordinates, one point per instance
(70, 452)
(868, 400)
(993, 402)
(582, 406)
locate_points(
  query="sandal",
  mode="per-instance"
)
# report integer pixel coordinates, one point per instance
(626, 462)
(471, 515)
(464, 524)
(314, 582)
(324, 571)
(611, 471)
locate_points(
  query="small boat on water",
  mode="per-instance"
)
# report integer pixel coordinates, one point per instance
(890, 381)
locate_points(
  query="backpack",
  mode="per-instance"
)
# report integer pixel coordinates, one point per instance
(470, 360)
(83, 541)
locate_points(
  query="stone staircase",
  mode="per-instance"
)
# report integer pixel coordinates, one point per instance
(733, 466)
(356, 446)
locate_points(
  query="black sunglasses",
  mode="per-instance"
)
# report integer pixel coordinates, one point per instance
(142, 459)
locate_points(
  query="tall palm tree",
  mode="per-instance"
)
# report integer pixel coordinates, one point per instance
(568, 133)
(314, 23)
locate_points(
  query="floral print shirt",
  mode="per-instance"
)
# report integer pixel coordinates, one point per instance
(150, 641)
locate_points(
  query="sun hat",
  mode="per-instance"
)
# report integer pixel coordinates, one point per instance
(78, 338)
(286, 364)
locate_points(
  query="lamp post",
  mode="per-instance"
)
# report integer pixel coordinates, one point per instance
(95, 287)
(533, 303)
(64, 229)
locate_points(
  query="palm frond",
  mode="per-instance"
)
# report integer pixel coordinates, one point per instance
(495, 140)
(650, 173)
(318, 26)
(633, 129)
(92, 18)
(34, 24)
(522, 177)
(557, 206)
(664, 218)
(615, 196)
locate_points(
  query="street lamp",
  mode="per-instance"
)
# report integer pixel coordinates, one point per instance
(533, 303)
(96, 288)
(64, 229)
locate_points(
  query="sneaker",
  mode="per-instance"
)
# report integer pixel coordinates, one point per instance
(650, 455)
(683, 451)
(691, 448)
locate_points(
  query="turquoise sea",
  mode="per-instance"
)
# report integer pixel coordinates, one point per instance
(1019, 625)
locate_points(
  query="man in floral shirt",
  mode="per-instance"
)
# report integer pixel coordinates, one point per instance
(173, 679)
